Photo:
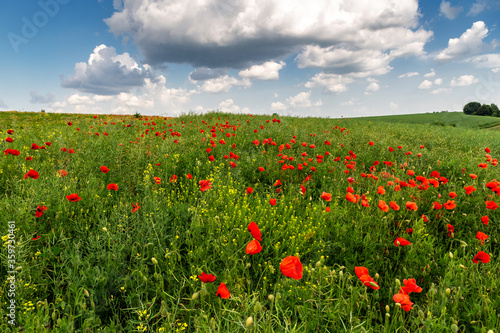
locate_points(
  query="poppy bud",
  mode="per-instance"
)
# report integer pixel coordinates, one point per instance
(270, 297)
(248, 265)
(462, 266)
(85, 291)
(377, 276)
(195, 296)
(421, 315)
(154, 261)
(249, 321)
(387, 308)
(387, 315)
(257, 307)
(448, 291)
(104, 229)
(398, 305)
(398, 283)
(451, 255)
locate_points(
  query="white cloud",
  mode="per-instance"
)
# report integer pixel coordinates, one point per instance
(229, 106)
(432, 73)
(440, 90)
(372, 87)
(223, 84)
(479, 6)
(302, 100)
(331, 83)
(360, 63)
(275, 95)
(108, 73)
(491, 60)
(447, 10)
(223, 34)
(347, 103)
(77, 99)
(438, 81)
(409, 74)
(267, 71)
(463, 81)
(469, 43)
(393, 106)
(495, 70)
(278, 106)
(426, 84)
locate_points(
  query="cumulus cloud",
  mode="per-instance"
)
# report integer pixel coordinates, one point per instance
(302, 100)
(331, 83)
(39, 99)
(438, 81)
(432, 73)
(479, 6)
(229, 106)
(108, 73)
(409, 74)
(440, 90)
(447, 10)
(278, 106)
(267, 71)
(358, 35)
(372, 87)
(468, 44)
(491, 60)
(223, 84)
(426, 84)
(463, 81)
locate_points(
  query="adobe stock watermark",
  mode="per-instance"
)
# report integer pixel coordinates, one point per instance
(31, 25)
(11, 273)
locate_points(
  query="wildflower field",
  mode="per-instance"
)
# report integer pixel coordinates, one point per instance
(231, 223)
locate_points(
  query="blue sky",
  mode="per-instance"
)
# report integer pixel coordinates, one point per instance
(327, 58)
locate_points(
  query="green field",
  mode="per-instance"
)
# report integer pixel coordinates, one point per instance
(163, 200)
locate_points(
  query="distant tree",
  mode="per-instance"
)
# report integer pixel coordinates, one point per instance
(484, 110)
(472, 107)
(495, 110)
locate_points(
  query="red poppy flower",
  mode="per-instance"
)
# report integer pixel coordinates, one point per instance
(403, 300)
(211, 158)
(253, 247)
(73, 197)
(189, 176)
(36, 238)
(32, 174)
(272, 201)
(371, 143)
(71, 151)
(391, 149)
(453, 195)
(112, 187)
(380, 190)
(450, 204)
(401, 242)
(485, 219)
(173, 179)
(207, 278)
(255, 231)
(350, 197)
(483, 165)
(410, 286)
(411, 205)
(291, 267)
(39, 211)
(481, 256)
(104, 169)
(135, 207)
(451, 230)
(365, 278)
(63, 149)
(473, 176)
(10, 131)
(326, 196)
(383, 206)
(249, 190)
(481, 236)
(9, 139)
(261, 169)
(222, 291)
(157, 180)
(469, 189)
(205, 185)
(489, 204)
(394, 205)
(487, 150)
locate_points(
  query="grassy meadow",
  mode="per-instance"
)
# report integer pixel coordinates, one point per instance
(383, 224)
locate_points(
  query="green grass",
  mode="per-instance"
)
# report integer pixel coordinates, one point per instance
(100, 267)
(453, 119)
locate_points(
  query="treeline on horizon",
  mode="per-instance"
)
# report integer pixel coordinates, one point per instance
(478, 109)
